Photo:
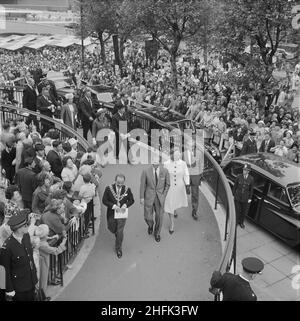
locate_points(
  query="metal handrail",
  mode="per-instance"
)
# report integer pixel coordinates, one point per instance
(58, 125)
(230, 226)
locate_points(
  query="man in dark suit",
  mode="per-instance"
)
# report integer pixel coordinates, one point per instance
(17, 259)
(119, 136)
(267, 144)
(120, 102)
(117, 197)
(87, 114)
(155, 183)
(237, 287)
(26, 180)
(242, 192)
(30, 100)
(249, 146)
(54, 158)
(47, 108)
(39, 157)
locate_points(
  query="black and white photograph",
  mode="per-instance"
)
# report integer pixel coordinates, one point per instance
(149, 153)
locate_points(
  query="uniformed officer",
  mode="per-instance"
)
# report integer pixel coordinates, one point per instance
(242, 192)
(237, 287)
(17, 259)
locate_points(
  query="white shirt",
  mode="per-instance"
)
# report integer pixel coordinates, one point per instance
(157, 172)
(19, 239)
(243, 278)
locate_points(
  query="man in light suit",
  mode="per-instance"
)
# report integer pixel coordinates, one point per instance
(194, 163)
(155, 183)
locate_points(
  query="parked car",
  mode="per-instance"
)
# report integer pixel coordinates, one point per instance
(283, 54)
(276, 198)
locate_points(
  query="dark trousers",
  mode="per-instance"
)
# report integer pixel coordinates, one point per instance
(241, 209)
(159, 215)
(24, 296)
(195, 182)
(86, 126)
(117, 227)
(27, 204)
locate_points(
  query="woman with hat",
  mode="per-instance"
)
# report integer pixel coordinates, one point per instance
(100, 122)
(288, 139)
(69, 112)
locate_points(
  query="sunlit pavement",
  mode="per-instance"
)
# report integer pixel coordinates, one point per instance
(275, 283)
(177, 268)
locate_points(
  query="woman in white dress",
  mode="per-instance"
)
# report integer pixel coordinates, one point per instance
(179, 178)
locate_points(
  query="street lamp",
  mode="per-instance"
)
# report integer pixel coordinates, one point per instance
(82, 40)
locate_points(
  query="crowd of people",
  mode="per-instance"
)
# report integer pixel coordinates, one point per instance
(55, 181)
(51, 183)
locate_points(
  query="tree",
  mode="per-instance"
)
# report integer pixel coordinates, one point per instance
(170, 22)
(97, 19)
(262, 24)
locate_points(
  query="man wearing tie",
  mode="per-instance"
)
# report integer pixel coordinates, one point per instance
(155, 183)
(195, 166)
(242, 192)
(29, 101)
(117, 196)
(250, 145)
(267, 144)
(46, 107)
(87, 113)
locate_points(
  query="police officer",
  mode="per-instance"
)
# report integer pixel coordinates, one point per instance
(237, 287)
(242, 192)
(17, 259)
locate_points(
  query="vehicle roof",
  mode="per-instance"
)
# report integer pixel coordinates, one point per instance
(284, 172)
(163, 114)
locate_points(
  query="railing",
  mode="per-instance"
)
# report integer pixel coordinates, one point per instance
(77, 231)
(218, 184)
(8, 112)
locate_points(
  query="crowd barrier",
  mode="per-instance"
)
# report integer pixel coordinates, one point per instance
(77, 231)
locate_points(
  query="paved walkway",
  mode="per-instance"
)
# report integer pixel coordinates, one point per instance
(177, 268)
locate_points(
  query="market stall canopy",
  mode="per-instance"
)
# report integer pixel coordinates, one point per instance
(16, 42)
